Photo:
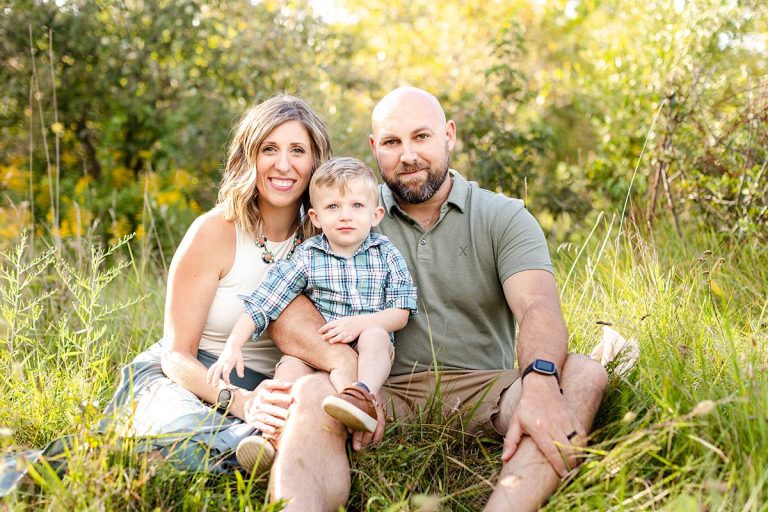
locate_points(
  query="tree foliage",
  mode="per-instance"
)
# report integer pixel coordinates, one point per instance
(114, 114)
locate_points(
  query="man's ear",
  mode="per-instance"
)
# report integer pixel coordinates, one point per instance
(372, 144)
(313, 217)
(378, 214)
(450, 134)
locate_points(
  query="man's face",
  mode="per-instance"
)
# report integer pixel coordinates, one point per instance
(412, 144)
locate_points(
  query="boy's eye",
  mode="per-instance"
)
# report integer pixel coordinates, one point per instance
(358, 205)
(332, 206)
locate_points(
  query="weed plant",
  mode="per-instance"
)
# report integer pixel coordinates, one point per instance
(685, 429)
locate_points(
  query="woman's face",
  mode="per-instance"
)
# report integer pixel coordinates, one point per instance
(284, 166)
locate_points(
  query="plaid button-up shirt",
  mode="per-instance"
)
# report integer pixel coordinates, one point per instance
(373, 279)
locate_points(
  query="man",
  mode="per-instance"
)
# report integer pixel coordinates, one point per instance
(480, 263)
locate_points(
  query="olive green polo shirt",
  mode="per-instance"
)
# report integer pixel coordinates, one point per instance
(458, 265)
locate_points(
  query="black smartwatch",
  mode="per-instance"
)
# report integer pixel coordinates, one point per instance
(543, 367)
(224, 400)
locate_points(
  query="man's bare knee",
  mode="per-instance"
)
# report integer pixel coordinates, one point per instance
(311, 389)
(585, 374)
(291, 368)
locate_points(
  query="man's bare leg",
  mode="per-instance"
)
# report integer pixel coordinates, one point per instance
(527, 480)
(311, 470)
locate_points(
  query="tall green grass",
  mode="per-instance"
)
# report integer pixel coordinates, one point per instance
(686, 429)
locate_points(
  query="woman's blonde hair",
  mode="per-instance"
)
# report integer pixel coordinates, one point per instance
(237, 191)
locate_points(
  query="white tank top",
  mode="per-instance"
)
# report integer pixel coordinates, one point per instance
(247, 272)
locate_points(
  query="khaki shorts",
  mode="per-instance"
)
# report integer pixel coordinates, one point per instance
(471, 396)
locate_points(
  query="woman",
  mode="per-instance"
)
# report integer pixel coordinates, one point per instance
(258, 219)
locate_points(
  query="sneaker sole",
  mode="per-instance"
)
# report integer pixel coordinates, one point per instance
(349, 415)
(255, 454)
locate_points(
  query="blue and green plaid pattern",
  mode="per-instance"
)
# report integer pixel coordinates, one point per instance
(373, 279)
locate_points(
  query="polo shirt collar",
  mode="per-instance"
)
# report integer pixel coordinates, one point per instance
(457, 197)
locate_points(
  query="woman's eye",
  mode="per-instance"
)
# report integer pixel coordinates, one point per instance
(299, 151)
(268, 149)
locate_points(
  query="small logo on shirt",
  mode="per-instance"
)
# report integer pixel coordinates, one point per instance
(463, 250)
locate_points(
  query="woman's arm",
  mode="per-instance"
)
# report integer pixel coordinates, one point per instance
(205, 254)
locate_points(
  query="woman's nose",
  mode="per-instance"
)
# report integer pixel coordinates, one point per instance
(283, 163)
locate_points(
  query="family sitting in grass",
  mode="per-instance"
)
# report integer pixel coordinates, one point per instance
(357, 280)
(340, 345)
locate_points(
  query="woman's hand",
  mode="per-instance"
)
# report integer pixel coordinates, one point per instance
(266, 407)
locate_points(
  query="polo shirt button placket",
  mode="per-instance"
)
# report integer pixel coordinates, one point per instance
(423, 251)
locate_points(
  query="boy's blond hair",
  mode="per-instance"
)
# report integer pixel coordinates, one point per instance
(338, 172)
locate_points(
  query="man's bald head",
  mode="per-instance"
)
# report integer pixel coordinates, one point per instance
(412, 143)
(405, 100)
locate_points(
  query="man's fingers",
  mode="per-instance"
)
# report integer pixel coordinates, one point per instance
(361, 440)
(511, 441)
(240, 368)
(546, 443)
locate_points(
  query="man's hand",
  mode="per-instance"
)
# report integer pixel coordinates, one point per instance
(545, 415)
(361, 440)
(344, 330)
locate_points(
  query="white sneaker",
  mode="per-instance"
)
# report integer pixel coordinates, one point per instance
(255, 454)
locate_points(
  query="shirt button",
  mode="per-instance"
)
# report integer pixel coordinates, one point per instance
(413, 223)
(422, 242)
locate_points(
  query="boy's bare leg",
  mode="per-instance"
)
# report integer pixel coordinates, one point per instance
(528, 479)
(311, 470)
(374, 358)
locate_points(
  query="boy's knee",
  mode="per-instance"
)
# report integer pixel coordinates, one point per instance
(374, 335)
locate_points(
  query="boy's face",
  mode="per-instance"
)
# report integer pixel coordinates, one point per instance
(346, 218)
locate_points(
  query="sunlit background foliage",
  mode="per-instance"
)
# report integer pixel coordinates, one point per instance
(635, 131)
(114, 115)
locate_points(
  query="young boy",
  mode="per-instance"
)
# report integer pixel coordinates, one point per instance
(357, 279)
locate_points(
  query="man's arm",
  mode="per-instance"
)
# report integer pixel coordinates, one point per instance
(296, 332)
(543, 413)
(347, 329)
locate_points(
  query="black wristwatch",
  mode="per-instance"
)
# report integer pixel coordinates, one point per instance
(543, 367)
(224, 400)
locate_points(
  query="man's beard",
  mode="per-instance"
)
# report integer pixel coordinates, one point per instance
(407, 194)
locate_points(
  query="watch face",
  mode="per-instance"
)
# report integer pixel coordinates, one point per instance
(543, 366)
(225, 395)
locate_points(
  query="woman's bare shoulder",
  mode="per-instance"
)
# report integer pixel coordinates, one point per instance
(212, 228)
(210, 240)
